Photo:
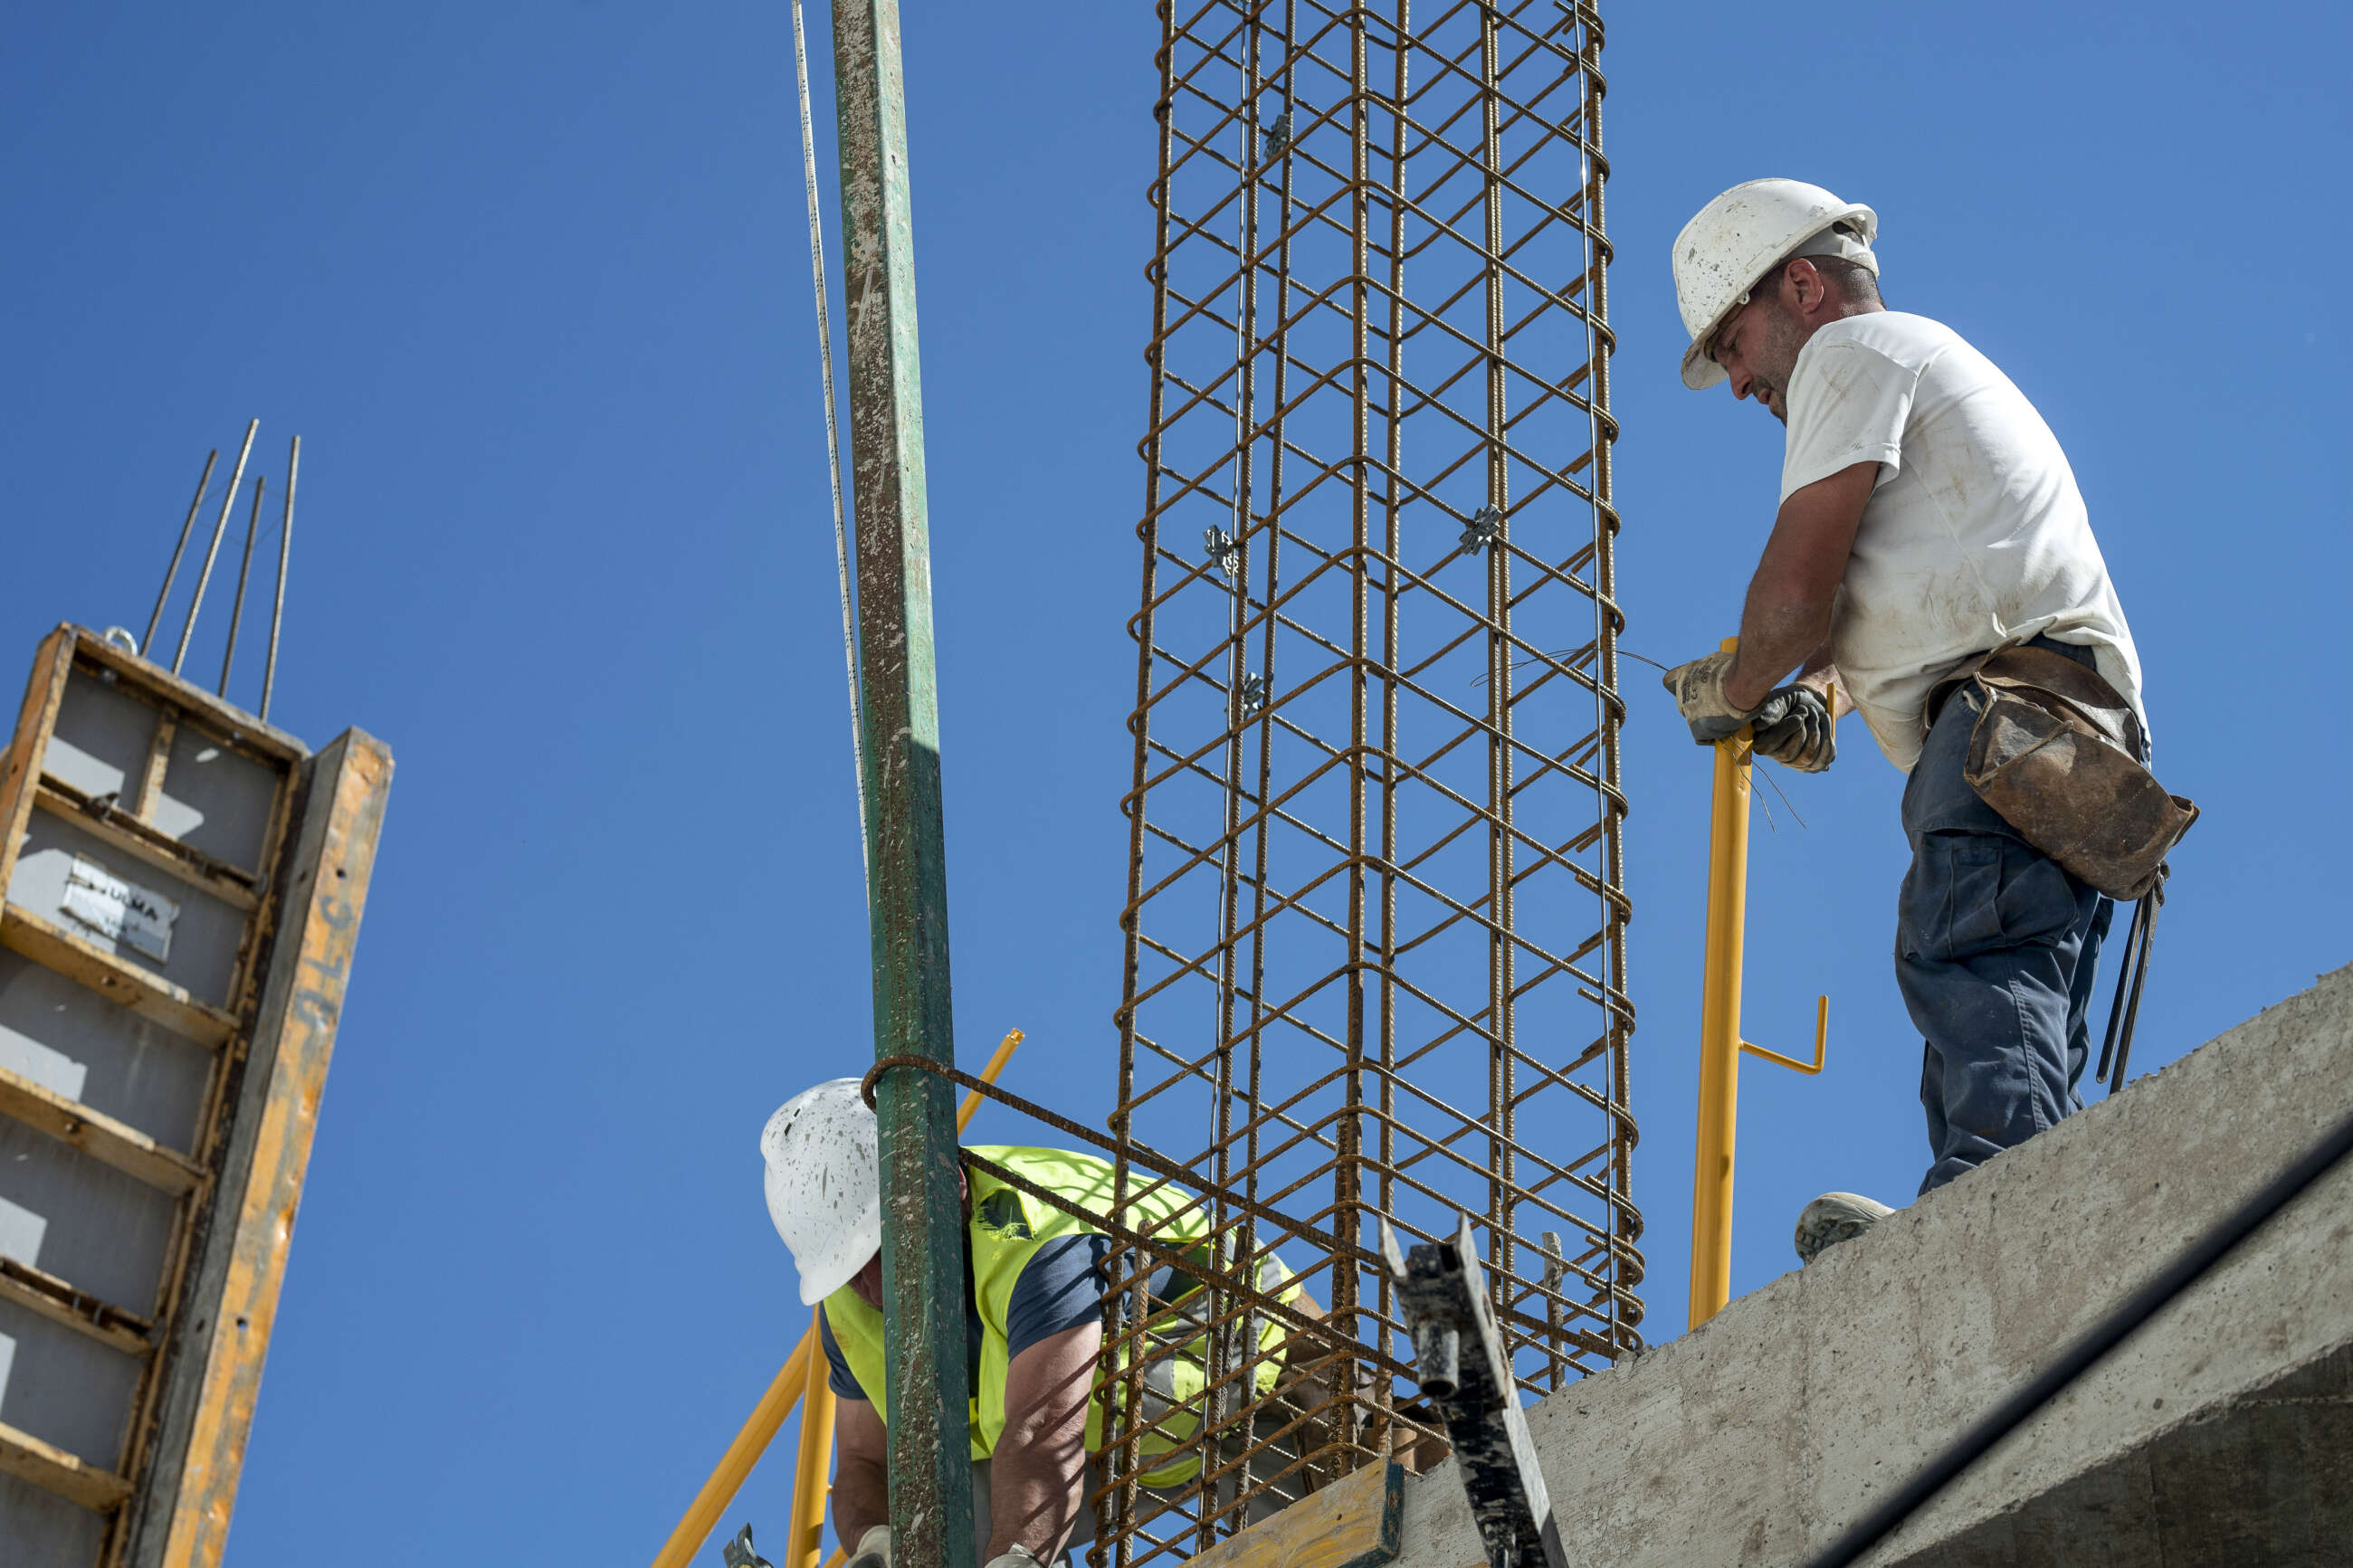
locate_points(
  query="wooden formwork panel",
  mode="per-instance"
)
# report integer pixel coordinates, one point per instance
(180, 889)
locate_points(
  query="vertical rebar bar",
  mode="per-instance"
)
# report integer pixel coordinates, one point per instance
(220, 526)
(1393, 512)
(1349, 1129)
(1225, 1354)
(196, 505)
(1503, 756)
(278, 600)
(1625, 1270)
(1245, 1225)
(1127, 1270)
(244, 570)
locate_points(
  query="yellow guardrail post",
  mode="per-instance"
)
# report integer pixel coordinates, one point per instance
(804, 1546)
(1720, 1044)
(803, 1370)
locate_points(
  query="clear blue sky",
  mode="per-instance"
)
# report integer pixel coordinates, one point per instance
(531, 280)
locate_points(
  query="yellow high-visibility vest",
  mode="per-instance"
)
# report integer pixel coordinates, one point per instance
(1007, 1228)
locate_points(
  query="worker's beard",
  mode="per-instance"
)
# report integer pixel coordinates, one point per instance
(1774, 343)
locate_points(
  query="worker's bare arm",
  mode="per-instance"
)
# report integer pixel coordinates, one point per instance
(1787, 617)
(861, 1476)
(1036, 1473)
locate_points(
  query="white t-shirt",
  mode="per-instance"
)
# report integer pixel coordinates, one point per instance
(1975, 534)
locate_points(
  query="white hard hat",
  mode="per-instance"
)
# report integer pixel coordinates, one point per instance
(1728, 245)
(824, 1184)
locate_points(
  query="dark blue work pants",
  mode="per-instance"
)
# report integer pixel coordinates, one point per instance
(1995, 949)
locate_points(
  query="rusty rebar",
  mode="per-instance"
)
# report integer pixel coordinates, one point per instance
(196, 505)
(220, 526)
(1375, 927)
(244, 570)
(278, 600)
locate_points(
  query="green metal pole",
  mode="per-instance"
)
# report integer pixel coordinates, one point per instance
(923, 1214)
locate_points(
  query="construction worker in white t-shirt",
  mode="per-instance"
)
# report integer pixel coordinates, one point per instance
(1927, 519)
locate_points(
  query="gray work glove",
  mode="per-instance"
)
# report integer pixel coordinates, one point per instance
(1699, 697)
(1794, 728)
(873, 1548)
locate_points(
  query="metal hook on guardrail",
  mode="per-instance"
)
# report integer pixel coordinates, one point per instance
(1821, 1043)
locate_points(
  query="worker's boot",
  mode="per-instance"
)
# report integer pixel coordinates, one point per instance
(1834, 1217)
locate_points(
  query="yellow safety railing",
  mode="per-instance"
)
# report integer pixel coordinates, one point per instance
(1720, 1044)
(803, 1374)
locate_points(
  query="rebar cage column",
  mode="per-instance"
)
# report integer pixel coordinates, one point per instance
(1374, 931)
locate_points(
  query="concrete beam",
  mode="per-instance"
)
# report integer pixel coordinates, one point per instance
(2222, 1432)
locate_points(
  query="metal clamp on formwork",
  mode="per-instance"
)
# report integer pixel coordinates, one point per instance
(1458, 1354)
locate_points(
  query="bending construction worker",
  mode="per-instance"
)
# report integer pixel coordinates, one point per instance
(1931, 560)
(1035, 1315)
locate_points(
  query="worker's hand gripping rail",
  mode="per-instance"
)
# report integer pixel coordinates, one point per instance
(1720, 1041)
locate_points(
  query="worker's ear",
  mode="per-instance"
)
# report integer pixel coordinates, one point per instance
(1806, 283)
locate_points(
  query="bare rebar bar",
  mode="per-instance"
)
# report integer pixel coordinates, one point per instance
(244, 570)
(196, 505)
(220, 526)
(278, 601)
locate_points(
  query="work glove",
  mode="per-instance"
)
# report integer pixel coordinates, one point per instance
(1014, 1557)
(873, 1548)
(1699, 695)
(1794, 728)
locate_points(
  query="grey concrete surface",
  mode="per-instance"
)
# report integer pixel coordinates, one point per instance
(2221, 1433)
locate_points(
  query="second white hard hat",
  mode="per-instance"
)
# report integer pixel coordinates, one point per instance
(1727, 246)
(824, 1184)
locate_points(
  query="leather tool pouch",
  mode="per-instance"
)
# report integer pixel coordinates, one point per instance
(2056, 752)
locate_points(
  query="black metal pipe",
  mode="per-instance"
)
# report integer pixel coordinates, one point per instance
(2078, 1358)
(278, 604)
(2145, 924)
(196, 505)
(244, 570)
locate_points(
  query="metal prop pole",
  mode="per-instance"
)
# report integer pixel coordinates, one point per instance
(923, 1218)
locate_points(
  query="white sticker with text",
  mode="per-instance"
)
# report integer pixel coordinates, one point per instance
(124, 912)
